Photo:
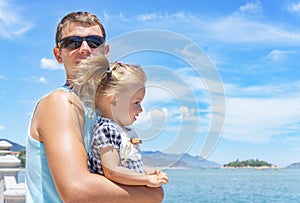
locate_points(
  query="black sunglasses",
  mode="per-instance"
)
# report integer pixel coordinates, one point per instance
(74, 42)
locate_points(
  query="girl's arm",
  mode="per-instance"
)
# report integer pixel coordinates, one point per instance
(112, 170)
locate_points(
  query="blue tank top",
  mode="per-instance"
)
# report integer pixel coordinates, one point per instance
(39, 183)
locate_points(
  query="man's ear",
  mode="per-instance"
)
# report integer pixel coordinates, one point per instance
(107, 50)
(57, 54)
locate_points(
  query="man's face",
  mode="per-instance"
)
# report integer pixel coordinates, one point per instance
(72, 57)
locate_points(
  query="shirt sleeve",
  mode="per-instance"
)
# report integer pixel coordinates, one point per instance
(107, 135)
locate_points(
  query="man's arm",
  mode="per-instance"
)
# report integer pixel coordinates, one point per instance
(60, 121)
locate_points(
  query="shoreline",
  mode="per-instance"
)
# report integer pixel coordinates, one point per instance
(228, 167)
(252, 167)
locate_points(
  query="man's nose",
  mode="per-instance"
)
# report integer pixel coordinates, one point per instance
(85, 49)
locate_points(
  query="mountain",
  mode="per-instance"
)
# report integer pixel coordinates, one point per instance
(15, 146)
(163, 160)
(294, 165)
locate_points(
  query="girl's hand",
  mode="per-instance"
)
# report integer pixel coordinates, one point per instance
(156, 180)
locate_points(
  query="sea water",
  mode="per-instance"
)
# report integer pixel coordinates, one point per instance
(230, 185)
(233, 185)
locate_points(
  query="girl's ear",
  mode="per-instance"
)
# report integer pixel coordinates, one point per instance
(57, 54)
(112, 100)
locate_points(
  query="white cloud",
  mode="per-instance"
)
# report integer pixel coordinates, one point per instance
(158, 114)
(265, 91)
(294, 8)
(155, 16)
(41, 80)
(106, 16)
(190, 114)
(147, 16)
(2, 126)
(155, 113)
(50, 64)
(120, 16)
(36, 79)
(171, 113)
(11, 22)
(278, 55)
(234, 28)
(26, 101)
(143, 17)
(257, 119)
(165, 91)
(152, 123)
(185, 110)
(191, 92)
(240, 29)
(252, 7)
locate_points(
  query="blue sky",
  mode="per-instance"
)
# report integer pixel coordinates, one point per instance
(252, 45)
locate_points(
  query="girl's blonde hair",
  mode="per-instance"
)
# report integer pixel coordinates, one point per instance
(97, 77)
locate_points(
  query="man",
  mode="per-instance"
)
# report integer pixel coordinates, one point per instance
(59, 134)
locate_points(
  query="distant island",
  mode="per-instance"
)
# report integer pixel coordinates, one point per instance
(176, 161)
(294, 165)
(250, 163)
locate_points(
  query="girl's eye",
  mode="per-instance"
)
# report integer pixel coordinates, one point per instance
(137, 102)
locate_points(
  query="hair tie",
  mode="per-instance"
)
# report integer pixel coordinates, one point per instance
(116, 65)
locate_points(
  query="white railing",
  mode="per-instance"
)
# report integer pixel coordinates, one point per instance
(13, 192)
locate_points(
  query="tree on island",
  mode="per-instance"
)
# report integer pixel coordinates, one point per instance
(248, 163)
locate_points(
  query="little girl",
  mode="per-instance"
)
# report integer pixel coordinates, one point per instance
(115, 151)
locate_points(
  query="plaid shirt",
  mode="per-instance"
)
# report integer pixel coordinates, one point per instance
(108, 133)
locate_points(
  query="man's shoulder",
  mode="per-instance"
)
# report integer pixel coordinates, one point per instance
(59, 99)
(60, 96)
